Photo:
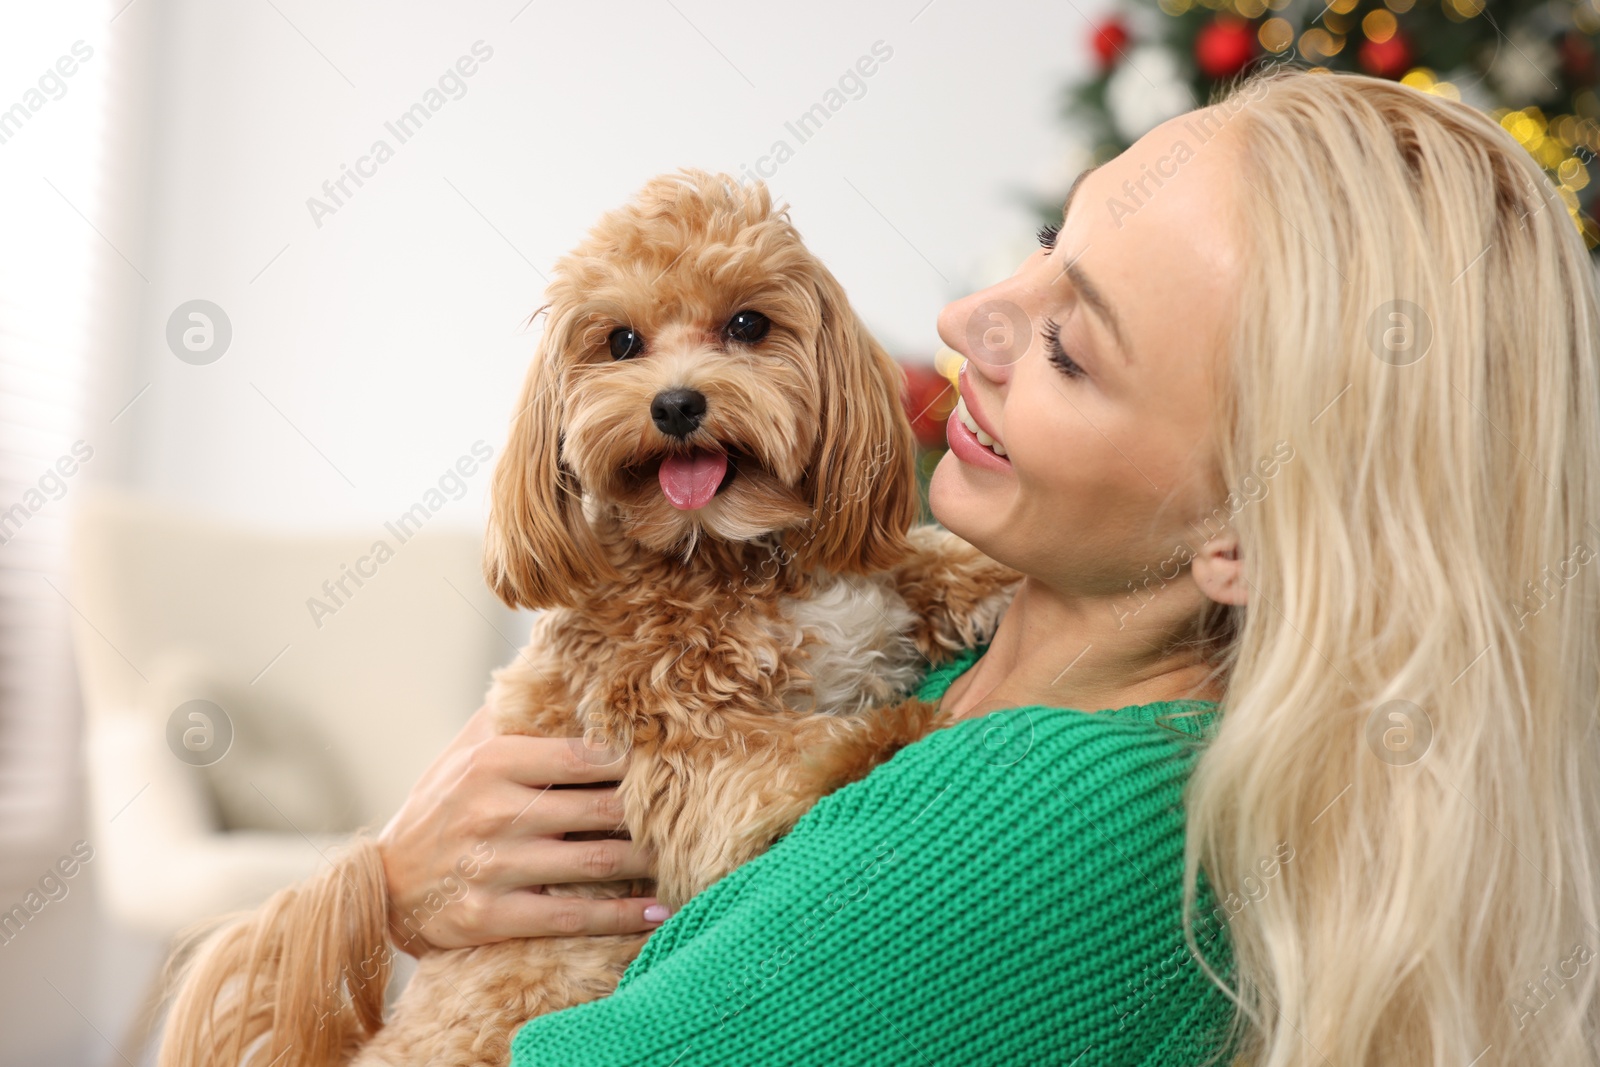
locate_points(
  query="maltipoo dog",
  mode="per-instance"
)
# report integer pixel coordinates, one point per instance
(709, 491)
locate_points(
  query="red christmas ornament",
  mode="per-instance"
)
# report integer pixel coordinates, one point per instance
(929, 398)
(1109, 37)
(1578, 58)
(1224, 46)
(1386, 59)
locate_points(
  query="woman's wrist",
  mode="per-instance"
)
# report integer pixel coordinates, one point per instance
(412, 943)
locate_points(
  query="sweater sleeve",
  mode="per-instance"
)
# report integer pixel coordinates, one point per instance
(1006, 890)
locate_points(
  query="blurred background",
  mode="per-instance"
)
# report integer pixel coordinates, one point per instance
(266, 276)
(265, 280)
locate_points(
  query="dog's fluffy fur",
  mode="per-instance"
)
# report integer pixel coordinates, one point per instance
(752, 653)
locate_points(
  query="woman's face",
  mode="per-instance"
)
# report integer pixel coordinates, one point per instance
(1092, 366)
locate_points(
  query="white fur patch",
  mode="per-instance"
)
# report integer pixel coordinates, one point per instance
(862, 655)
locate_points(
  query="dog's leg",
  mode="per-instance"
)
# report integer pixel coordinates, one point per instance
(956, 592)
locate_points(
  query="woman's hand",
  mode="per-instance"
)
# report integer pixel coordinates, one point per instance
(468, 855)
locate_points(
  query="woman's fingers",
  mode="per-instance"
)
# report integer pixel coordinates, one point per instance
(546, 861)
(529, 914)
(492, 812)
(542, 761)
(530, 812)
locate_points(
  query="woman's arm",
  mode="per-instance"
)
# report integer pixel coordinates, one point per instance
(950, 907)
(485, 818)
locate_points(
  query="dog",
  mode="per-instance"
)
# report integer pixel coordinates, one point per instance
(708, 493)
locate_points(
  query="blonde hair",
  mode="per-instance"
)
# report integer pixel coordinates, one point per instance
(1414, 690)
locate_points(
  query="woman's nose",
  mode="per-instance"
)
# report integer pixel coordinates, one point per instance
(990, 330)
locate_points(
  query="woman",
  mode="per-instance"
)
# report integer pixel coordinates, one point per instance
(1298, 428)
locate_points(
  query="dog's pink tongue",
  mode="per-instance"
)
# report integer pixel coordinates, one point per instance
(689, 482)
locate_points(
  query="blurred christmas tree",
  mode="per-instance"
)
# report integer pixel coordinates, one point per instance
(929, 397)
(1532, 65)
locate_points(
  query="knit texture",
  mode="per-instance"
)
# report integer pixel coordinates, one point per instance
(1006, 890)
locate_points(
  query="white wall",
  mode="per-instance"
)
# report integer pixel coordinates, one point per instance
(371, 352)
(390, 338)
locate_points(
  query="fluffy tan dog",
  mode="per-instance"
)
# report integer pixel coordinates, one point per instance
(709, 486)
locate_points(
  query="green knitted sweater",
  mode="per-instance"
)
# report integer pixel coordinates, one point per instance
(1006, 890)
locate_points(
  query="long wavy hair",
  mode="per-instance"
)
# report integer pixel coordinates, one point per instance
(1412, 709)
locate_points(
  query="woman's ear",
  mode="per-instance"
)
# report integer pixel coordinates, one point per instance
(1218, 570)
(539, 549)
(862, 480)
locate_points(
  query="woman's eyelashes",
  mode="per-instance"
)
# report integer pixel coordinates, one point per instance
(1051, 332)
(1047, 236)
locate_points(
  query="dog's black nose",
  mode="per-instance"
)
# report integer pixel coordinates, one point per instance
(677, 412)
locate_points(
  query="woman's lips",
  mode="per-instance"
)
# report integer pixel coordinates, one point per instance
(964, 443)
(969, 419)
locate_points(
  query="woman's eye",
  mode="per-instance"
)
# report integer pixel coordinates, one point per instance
(625, 343)
(1047, 236)
(1051, 332)
(747, 327)
(1066, 364)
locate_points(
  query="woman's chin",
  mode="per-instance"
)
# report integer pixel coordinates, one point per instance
(966, 509)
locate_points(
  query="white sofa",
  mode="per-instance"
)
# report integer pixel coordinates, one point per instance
(333, 715)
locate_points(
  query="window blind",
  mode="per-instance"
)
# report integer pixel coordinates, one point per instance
(52, 258)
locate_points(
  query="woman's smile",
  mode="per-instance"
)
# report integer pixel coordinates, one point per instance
(971, 437)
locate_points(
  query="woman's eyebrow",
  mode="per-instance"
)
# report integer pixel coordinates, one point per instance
(1097, 302)
(1080, 281)
(1066, 205)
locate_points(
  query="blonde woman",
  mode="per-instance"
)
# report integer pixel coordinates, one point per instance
(1293, 427)
(1309, 425)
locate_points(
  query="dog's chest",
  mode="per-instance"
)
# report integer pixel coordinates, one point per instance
(854, 635)
(841, 646)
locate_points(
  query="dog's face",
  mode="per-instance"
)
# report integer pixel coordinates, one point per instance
(701, 376)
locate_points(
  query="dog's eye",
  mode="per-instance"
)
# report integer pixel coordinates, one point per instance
(747, 327)
(625, 343)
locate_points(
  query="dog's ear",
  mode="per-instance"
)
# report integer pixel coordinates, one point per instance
(539, 550)
(862, 481)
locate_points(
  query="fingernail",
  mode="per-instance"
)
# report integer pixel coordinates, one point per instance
(657, 913)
